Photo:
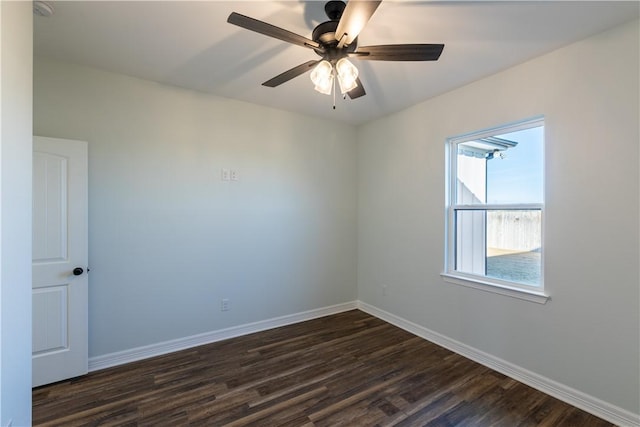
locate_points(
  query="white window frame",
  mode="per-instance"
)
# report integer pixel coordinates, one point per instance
(484, 283)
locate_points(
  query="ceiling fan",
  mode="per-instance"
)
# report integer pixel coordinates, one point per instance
(334, 41)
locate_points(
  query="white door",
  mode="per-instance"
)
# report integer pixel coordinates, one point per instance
(60, 320)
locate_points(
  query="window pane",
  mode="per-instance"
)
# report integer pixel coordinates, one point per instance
(514, 241)
(502, 244)
(471, 182)
(471, 255)
(515, 175)
(501, 169)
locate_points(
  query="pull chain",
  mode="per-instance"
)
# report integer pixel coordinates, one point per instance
(334, 89)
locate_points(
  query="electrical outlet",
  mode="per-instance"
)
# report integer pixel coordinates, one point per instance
(224, 304)
(225, 175)
(234, 174)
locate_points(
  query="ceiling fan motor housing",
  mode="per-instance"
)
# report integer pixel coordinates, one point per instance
(324, 34)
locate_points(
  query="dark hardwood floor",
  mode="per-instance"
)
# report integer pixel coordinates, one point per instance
(349, 369)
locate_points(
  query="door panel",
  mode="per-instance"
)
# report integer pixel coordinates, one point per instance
(49, 208)
(50, 304)
(60, 298)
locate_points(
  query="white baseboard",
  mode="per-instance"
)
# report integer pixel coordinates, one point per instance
(593, 405)
(144, 352)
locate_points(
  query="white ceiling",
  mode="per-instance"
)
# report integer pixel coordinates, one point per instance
(190, 44)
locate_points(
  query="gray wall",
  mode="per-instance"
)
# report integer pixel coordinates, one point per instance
(168, 239)
(16, 23)
(587, 336)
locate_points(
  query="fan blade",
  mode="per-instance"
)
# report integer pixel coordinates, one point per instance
(354, 17)
(271, 31)
(358, 91)
(400, 52)
(290, 74)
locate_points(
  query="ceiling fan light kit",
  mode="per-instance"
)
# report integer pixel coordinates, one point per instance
(324, 73)
(334, 41)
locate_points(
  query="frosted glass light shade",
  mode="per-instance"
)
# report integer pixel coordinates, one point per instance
(322, 77)
(347, 75)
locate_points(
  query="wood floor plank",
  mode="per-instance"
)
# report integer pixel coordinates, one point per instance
(349, 369)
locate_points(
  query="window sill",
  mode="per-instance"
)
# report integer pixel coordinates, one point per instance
(513, 292)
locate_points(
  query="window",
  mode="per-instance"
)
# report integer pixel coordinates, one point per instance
(495, 203)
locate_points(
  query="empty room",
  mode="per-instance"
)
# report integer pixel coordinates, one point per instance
(320, 213)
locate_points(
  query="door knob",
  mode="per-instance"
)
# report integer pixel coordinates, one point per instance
(78, 271)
